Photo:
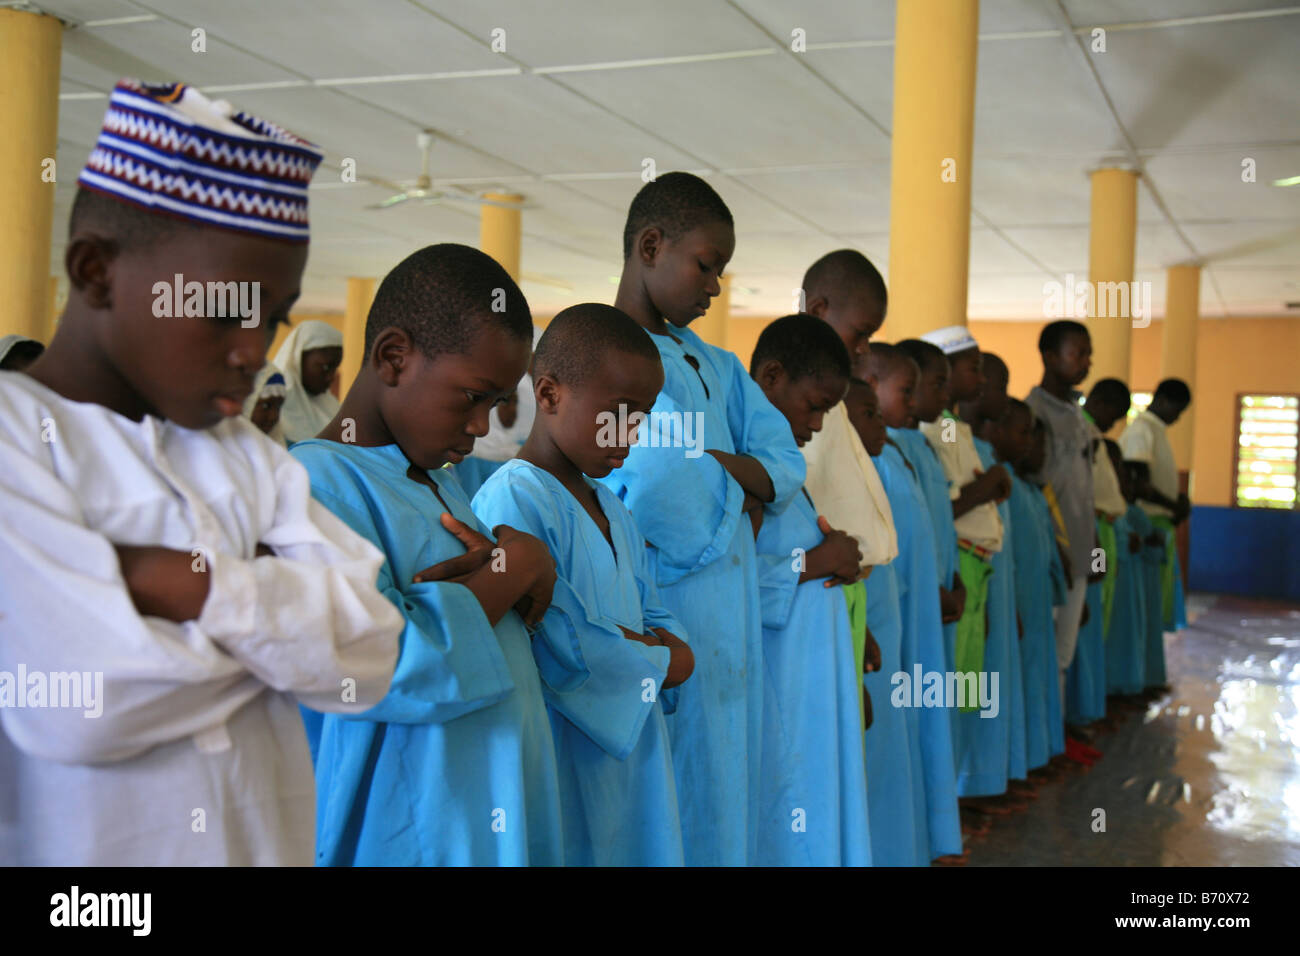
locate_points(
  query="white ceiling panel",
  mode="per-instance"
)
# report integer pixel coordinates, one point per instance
(1196, 85)
(768, 112)
(793, 142)
(331, 39)
(565, 32)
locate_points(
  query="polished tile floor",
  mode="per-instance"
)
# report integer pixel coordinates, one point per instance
(1208, 776)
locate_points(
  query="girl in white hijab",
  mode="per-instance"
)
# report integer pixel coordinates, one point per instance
(262, 407)
(308, 359)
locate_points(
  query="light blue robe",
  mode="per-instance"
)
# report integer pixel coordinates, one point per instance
(1085, 681)
(611, 741)
(456, 765)
(472, 472)
(923, 644)
(701, 552)
(813, 808)
(992, 749)
(895, 767)
(1039, 578)
(1126, 643)
(938, 499)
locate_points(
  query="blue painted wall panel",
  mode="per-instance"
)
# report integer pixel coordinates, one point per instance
(1253, 552)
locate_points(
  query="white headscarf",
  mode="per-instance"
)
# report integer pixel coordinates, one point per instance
(303, 414)
(835, 457)
(501, 443)
(9, 341)
(262, 390)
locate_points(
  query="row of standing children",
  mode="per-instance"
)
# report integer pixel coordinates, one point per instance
(620, 652)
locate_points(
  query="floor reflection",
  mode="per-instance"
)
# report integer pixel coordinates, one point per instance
(1208, 776)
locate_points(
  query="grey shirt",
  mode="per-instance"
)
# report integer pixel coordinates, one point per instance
(1068, 467)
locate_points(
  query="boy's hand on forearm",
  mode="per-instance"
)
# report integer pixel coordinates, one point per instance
(998, 482)
(529, 556)
(838, 557)
(524, 581)
(682, 662)
(478, 551)
(163, 582)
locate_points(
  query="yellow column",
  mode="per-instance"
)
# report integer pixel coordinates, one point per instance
(361, 292)
(500, 231)
(1178, 350)
(1111, 242)
(30, 46)
(712, 325)
(935, 44)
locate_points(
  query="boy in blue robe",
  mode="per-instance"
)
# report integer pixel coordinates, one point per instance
(593, 367)
(1039, 581)
(1150, 638)
(895, 764)
(716, 454)
(456, 765)
(813, 810)
(1005, 732)
(929, 399)
(895, 375)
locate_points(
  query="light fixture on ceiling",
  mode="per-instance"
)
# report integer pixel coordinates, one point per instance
(1289, 181)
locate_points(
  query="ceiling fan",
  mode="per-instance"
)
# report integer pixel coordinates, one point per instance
(423, 191)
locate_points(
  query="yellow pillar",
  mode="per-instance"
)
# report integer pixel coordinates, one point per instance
(712, 325)
(30, 46)
(361, 292)
(500, 231)
(1178, 350)
(1111, 243)
(935, 45)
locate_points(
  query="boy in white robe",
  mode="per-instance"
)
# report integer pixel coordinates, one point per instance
(162, 563)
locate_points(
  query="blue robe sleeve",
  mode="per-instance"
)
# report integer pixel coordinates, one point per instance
(763, 433)
(688, 508)
(604, 683)
(450, 663)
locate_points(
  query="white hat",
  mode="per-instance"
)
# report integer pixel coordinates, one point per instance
(951, 340)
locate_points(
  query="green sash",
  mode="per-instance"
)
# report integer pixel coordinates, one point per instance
(855, 596)
(969, 656)
(1167, 566)
(1106, 538)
